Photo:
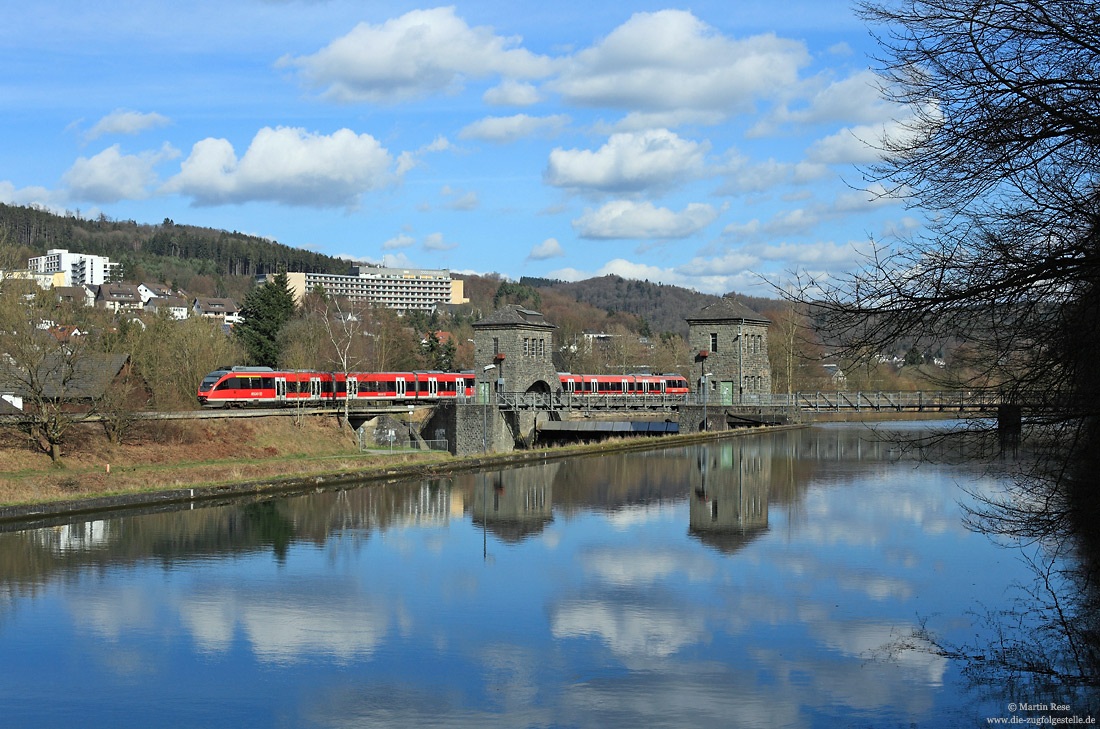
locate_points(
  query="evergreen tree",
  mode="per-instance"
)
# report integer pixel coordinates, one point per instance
(266, 310)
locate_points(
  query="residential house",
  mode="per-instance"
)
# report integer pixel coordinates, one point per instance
(76, 295)
(223, 310)
(176, 307)
(65, 332)
(118, 297)
(153, 290)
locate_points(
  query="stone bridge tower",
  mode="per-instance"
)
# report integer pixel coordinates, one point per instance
(729, 342)
(516, 345)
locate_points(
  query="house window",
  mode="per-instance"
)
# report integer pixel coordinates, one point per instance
(526, 346)
(496, 346)
(542, 350)
(714, 342)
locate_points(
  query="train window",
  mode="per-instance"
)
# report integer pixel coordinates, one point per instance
(341, 387)
(223, 385)
(326, 387)
(267, 383)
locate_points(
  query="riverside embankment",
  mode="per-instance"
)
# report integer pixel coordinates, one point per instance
(243, 460)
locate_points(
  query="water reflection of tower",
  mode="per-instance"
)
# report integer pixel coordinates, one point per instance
(515, 504)
(729, 501)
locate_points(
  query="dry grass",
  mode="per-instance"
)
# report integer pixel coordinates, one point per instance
(182, 454)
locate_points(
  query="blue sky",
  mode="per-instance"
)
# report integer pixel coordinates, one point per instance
(704, 145)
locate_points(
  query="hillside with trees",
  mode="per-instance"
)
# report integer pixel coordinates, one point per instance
(204, 261)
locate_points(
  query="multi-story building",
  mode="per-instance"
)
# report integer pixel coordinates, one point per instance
(45, 281)
(405, 289)
(79, 268)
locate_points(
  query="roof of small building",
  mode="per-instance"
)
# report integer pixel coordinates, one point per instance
(513, 315)
(121, 292)
(86, 377)
(171, 301)
(727, 310)
(216, 306)
(70, 292)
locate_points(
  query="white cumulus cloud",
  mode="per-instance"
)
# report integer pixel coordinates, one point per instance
(512, 93)
(126, 121)
(671, 60)
(549, 248)
(423, 52)
(632, 220)
(435, 242)
(52, 200)
(744, 175)
(458, 199)
(628, 162)
(285, 165)
(398, 241)
(504, 129)
(111, 176)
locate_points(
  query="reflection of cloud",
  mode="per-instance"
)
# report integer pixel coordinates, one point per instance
(631, 566)
(866, 639)
(285, 628)
(693, 695)
(636, 514)
(873, 584)
(114, 612)
(628, 630)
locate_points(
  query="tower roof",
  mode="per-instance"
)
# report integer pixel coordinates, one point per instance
(513, 315)
(726, 310)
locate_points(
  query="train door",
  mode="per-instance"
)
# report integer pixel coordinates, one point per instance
(433, 387)
(280, 389)
(314, 388)
(570, 386)
(399, 386)
(352, 387)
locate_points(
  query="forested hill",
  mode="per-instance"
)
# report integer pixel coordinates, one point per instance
(207, 251)
(663, 306)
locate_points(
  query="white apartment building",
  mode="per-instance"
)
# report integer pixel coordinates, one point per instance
(79, 268)
(405, 289)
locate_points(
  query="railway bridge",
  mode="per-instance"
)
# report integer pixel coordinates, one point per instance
(518, 390)
(494, 420)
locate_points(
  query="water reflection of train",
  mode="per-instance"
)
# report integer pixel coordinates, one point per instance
(241, 386)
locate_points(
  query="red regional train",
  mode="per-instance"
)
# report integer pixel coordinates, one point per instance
(241, 386)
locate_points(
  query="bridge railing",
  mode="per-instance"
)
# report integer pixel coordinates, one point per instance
(857, 400)
(576, 401)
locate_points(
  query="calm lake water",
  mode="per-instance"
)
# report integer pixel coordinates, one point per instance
(756, 582)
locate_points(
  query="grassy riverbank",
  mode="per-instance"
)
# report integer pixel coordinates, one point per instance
(181, 454)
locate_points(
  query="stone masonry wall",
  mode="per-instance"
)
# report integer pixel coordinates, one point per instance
(526, 357)
(741, 360)
(465, 424)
